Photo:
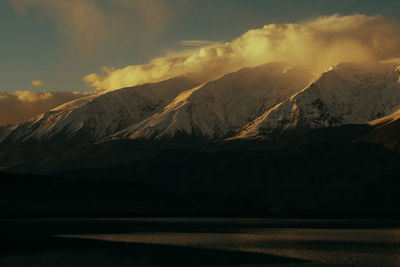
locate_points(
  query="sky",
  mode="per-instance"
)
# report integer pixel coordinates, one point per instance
(53, 51)
(38, 53)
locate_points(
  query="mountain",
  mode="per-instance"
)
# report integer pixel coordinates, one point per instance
(348, 93)
(261, 139)
(253, 102)
(96, 116)
(5, 131)
(180, 105)
(277, 102)
(217, 109)
(386, 131)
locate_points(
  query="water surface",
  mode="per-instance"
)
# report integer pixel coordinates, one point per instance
(200, 242)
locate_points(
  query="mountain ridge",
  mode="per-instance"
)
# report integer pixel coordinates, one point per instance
(221, 107)
(100, 115)
(271, 101)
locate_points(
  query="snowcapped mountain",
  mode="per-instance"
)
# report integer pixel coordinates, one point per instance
(96, 116)
(219, 108)
(251, 102)
(346, 94)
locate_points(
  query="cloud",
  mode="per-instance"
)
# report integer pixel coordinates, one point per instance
(20, 106)
(37, 83)
(88, 23)
(319, 43)
(197, 43)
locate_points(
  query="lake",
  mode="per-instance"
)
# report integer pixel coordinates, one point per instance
(199, 242)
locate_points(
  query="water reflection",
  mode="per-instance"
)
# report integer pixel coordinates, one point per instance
(328, 246)
(204, 242)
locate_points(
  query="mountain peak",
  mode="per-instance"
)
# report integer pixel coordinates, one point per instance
(347, 93)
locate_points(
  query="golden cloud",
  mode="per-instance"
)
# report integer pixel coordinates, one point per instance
(20, 106)
(37, 83)
(198, 43)
(319, 44)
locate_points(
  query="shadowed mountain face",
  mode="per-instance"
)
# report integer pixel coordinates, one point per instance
(318, 172)
(5, 131)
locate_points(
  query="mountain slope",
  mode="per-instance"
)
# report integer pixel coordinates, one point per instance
(5, 131)
(346, 94)
(386, 131)
(96, 116)
(219, 108)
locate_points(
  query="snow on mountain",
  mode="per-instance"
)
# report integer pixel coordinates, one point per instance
(386, 120)
(96, 116)
(251, 102)
(346, 94)
(219, 108)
